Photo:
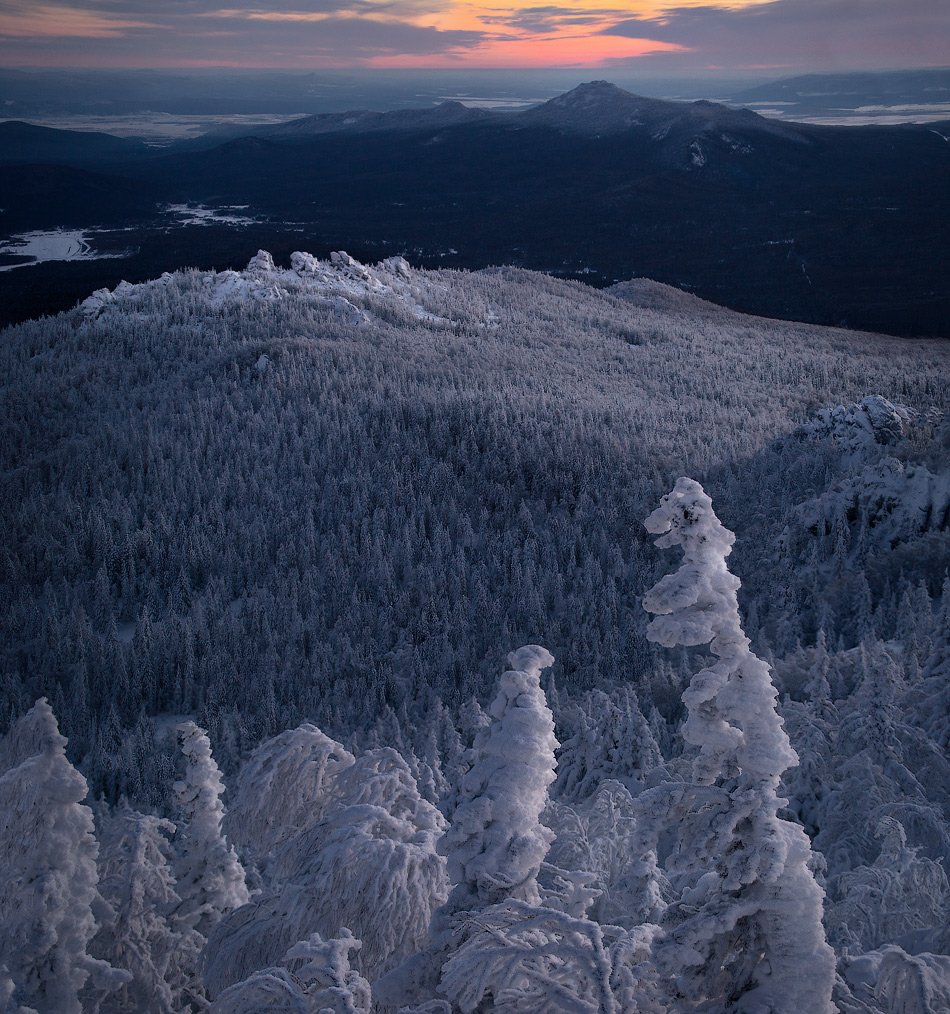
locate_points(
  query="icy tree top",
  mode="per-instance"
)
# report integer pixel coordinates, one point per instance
(731, 703)
(210, 877)
(755, 895)
(199, 793)
(697, 603)
(35, 733)
(496, 843)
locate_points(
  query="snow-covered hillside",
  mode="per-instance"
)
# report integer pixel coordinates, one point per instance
(331, 498)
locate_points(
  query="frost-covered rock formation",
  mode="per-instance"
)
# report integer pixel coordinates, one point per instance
(351, 289)
(854, 428)
(899, 499)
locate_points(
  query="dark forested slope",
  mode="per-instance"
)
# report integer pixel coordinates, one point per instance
(324, 491)
(341, 495)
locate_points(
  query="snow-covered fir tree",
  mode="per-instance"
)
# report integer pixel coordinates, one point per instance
(209, 877)
(496, 844)
(366, 863)
(143, 933)
(282, 788)
(745, 932)
(48, 877)
(493, 945)
(315, 978)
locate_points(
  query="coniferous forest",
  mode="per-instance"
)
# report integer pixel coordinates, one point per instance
(387, 640)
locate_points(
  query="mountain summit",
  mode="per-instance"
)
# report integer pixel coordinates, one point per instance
(592, 108)
(592, 93)
(599, 107)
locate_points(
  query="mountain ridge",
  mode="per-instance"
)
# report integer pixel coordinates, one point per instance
(30, 142)
(592, 107)
(825, 224)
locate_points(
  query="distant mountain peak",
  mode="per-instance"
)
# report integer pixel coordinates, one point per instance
(592, 93)
(591, 108)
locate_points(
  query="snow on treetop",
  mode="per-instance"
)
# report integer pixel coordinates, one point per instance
(531, 659)
(35, 733)
(698, 601)
(496, 845)
(697, 604)
(685, 518)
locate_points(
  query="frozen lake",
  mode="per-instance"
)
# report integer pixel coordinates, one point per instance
(78, 244)
(198, 214)
(55, 245)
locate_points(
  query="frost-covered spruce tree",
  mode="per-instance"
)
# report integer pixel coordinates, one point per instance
(496, 843)
(600, 836)
(745, 934)
(931, 701)
(284, 787)
(611, 740)
(901, 891)
(209, 876)
(143, 936)
(48, 876)
(368, 865)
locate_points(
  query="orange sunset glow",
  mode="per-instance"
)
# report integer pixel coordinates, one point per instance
(685, 34)
(559, 52)
(561, 35)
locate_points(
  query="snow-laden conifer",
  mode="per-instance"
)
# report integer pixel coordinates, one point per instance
(899, 892)
(496, 842)
(209, 876)
(891, 981)
(600, 835)
(368, 865)
(143, 935)
(931, 702)
(283, 788)
(518, 957)
(48, 876)
(745, 933)
(610, 739)
(316, 979)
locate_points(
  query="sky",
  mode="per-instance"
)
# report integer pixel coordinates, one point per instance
(647, 36)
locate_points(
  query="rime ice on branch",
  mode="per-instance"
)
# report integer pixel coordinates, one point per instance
(747, 934)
